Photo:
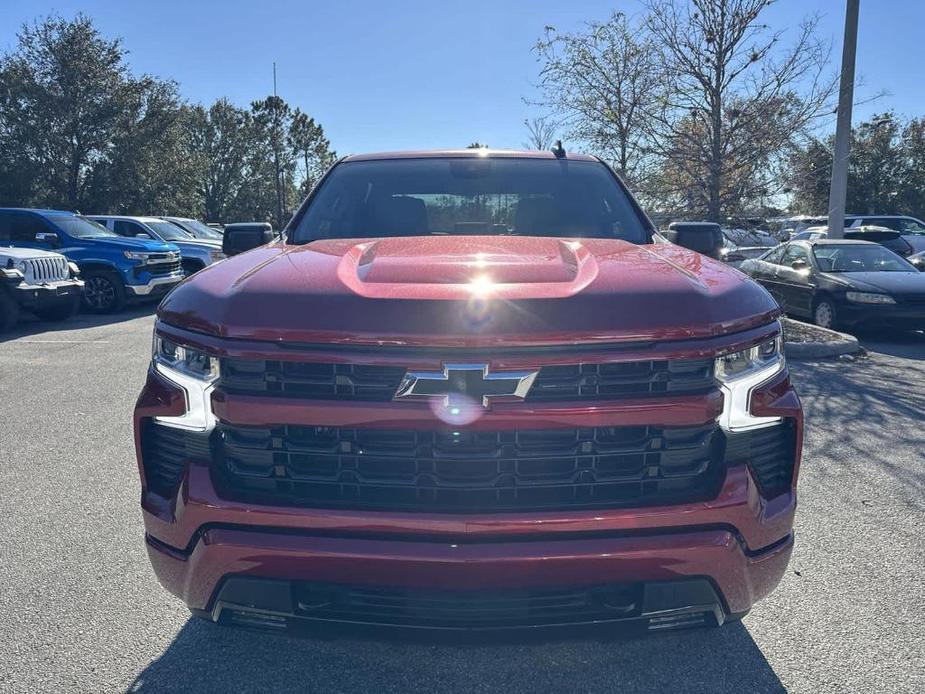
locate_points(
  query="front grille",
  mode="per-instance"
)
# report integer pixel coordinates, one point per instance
(166, 452)
(770, 453)
(311, 380)
(467, 609)
(47, 270)
(621, 380)
(469, 471)
(160, 267)
(583, 381)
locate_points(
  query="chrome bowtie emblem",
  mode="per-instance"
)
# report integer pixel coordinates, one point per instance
(473, 381)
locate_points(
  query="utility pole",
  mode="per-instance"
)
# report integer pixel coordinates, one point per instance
(838, 192)
(276, 163)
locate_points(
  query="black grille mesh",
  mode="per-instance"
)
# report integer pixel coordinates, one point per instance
(469, 471)
(166, 452)
(581, 381)
(483, 608)
(770, 453)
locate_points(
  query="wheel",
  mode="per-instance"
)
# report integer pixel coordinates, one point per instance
(190, 266)
(103, 292)
(61, 311)
(824, 314)
(9, 310)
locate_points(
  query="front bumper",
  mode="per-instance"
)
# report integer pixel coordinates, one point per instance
(42, 296)
(155, 286)
(897, 316)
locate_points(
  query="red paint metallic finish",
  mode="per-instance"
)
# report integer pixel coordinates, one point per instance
(741, 578)
(607, 291)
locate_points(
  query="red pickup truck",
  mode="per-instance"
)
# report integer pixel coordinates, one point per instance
(468, 390)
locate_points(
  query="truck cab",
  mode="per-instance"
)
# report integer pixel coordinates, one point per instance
(114, 269)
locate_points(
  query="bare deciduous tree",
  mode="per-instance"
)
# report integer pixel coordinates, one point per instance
(541, 133)
(598, 82)
(735, 100)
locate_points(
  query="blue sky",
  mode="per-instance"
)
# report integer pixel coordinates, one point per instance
(422, 74)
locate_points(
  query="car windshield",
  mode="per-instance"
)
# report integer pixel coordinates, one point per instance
(859, 258)
(471, 196)
(168, 231)
(81, 227)
(198, 229)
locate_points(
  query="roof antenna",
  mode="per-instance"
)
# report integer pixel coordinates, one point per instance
(558, 150)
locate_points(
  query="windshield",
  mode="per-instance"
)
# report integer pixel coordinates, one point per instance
(168, 231)
(199, 230)
(859, 258)
(81, 227)
(470, 196)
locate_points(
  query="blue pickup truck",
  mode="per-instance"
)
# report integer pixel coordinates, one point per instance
(114, 269)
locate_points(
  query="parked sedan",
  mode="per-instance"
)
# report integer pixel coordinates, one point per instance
(888, 238)
(842, 283)
(195, 253)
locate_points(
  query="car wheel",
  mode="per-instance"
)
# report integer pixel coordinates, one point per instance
(9, 311)
(59, 312)
(103, 292)
(824, 315)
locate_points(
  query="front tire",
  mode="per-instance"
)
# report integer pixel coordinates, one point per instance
(9, 311)
(824, 314)
(103, 292)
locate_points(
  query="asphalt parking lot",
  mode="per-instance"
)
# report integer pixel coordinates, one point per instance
(81, 611)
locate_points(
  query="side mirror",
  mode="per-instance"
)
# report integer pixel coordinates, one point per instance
(47, 237)
(703, 237)
(245, 236)
(799, 264)
(918, 264)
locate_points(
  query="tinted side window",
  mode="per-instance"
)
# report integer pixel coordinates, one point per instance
(774, 256)
(124, 228)
(794, 252)
(22, 227)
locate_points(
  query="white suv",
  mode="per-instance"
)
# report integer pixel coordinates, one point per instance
(42, 282)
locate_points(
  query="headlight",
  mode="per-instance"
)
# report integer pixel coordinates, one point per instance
(11, 273)
(185, 360)
(75, 271)
(869, 298)
(137, 255)
(22, 267)
(739, 373)
(193, 371)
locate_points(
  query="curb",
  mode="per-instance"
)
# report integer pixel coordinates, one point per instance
(840, 344)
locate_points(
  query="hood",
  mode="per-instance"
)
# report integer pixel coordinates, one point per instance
(24, 254)
(468, 291)
(129, 244)
(884, 282)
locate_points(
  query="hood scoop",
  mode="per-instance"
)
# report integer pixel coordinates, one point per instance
(459, 267)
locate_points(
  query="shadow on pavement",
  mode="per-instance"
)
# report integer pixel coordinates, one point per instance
(206, 657)
(907, 345)
(30, 325)
(848, 412)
